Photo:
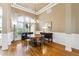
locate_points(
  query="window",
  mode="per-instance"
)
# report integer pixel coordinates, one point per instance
(23, 24)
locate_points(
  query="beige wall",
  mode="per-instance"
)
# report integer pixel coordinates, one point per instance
(57, 16)
(65, 17)
(75, 17)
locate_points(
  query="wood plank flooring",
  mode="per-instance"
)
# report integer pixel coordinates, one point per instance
(23, 48)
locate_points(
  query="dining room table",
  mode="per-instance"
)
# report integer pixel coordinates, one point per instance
(35, 38)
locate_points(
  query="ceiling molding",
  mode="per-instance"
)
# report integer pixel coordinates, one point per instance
(22, 8)
(46, 8)
(50, 5)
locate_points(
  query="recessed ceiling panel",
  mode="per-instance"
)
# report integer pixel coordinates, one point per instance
(33, 6)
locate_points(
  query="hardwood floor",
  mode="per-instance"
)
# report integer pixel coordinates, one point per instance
(23, 48)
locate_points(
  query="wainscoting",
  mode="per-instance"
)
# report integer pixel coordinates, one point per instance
(6, 40)
(68, 40)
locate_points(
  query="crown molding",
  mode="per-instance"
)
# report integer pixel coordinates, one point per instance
(14, 5)
(46, 8)
(50, 5)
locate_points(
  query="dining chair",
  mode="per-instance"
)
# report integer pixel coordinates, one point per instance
(41, 41)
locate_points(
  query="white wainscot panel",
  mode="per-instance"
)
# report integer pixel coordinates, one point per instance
(10, 37)
(75, 41)
(4, 41)
(59, 38)
(69, 40)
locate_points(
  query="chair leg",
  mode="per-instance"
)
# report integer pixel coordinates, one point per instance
(33, 43)
(40, 46)
(51, 40)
